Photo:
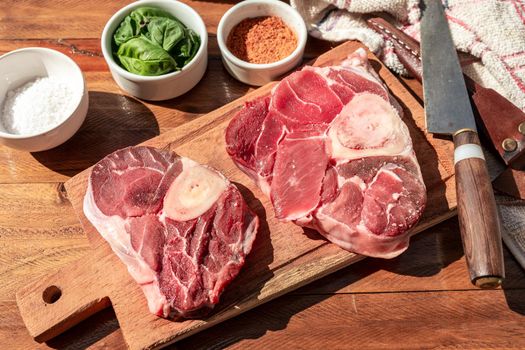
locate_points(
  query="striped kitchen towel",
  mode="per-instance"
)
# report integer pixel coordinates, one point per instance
(492, 30)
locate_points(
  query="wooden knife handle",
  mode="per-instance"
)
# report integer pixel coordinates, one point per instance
(478, 214)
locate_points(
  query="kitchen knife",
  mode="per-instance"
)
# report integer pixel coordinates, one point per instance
(448, 112)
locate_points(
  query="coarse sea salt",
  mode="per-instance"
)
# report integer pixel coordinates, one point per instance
(38, 105)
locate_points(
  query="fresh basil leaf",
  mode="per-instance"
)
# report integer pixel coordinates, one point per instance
(150, 41)
(141, 56)
(187, 48)
(143, 15)
(195, 40)
(181, 51)
(165, 32)
(126, 30)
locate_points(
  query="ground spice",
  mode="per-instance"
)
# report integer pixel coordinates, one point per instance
(261, 40)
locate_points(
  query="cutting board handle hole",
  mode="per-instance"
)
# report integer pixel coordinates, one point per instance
(51, 294)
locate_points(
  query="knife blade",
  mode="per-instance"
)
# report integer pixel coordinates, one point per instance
(447, 106)
(448, 111)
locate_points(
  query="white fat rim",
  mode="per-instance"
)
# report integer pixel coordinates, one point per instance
(469, 150)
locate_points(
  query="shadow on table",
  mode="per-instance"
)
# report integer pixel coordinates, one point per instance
(216, 88)
(275, 315)
(513, 284)
(89, 332)
(113, 121)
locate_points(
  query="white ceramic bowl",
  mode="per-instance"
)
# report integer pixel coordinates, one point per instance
(24, 65)
(253, 73)
(166, 86)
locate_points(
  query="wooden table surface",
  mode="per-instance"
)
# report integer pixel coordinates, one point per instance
(422, 299)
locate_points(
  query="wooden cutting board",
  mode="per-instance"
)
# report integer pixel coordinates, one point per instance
(284, 257)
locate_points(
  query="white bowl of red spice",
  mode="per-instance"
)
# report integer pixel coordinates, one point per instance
(43, 99)
(260, 40)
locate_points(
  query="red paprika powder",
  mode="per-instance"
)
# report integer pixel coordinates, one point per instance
(261, 40)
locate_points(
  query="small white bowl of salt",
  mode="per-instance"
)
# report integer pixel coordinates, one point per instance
(43, 99)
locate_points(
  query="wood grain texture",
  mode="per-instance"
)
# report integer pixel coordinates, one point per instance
(433, 263)
(79, 290)
(39, 232)
(478, 217)
(40, 19)
(445, 320)
(286, 259)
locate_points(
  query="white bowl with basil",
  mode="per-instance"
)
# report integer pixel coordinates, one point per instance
(156, 49)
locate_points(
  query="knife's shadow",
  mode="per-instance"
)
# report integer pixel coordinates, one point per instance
(515, 300)
(514, 283)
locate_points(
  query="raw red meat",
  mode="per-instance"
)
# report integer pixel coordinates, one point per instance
(305, 98)
(331, 151)
(182, 229)
(297, 180)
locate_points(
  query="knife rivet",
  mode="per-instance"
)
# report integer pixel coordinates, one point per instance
(521, 128)
(509, 145)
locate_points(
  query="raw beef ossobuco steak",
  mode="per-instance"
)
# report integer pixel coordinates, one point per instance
(181, 228)
(329, 147)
